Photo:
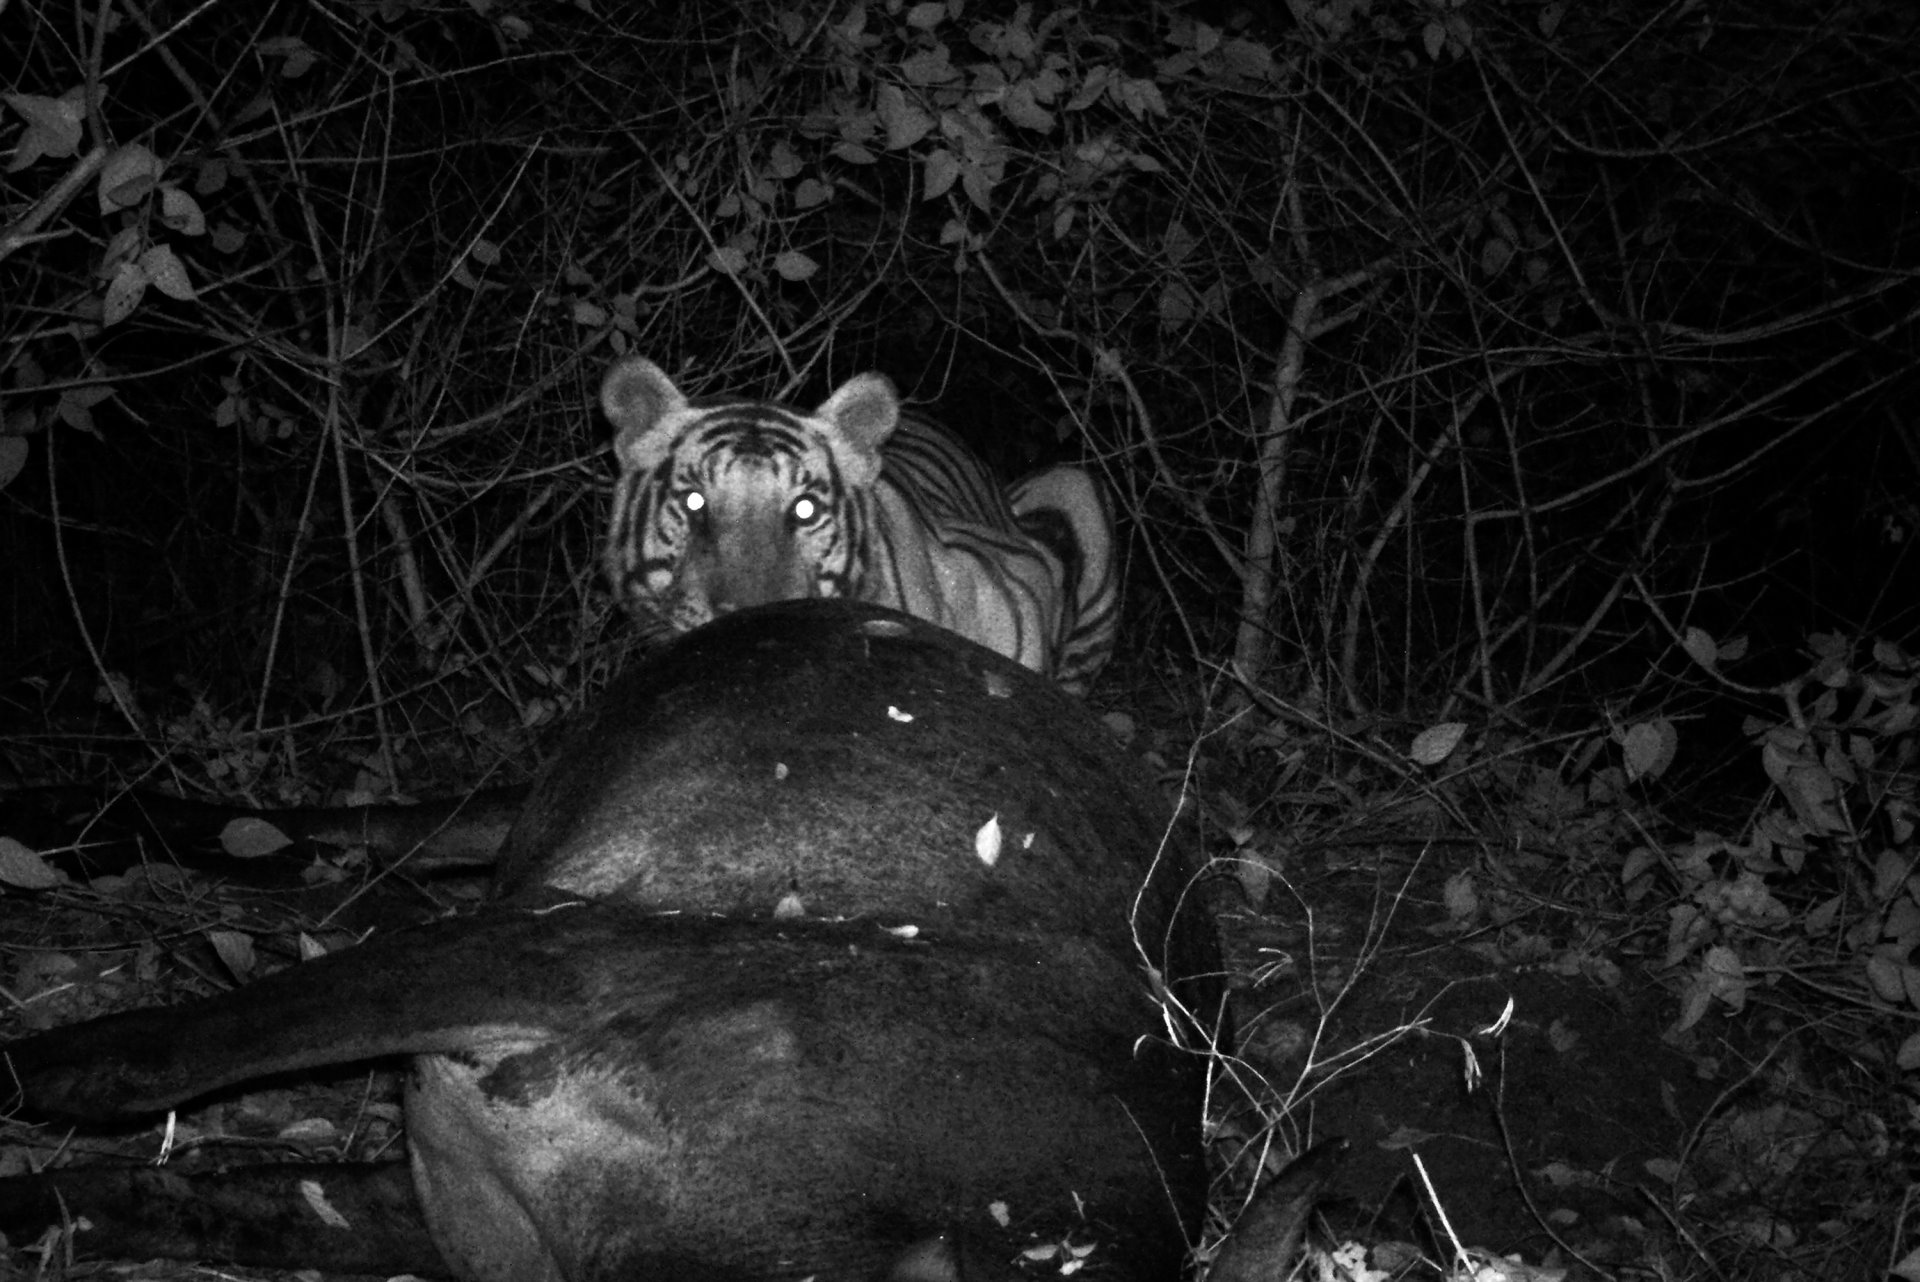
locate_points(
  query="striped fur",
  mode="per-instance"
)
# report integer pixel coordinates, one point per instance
(725, 503)
(1065, 510)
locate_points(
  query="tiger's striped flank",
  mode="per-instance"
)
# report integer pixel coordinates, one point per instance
(1066, 510)
(725, 503)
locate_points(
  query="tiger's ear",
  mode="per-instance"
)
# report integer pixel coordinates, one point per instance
(862, 413)
(636, 396)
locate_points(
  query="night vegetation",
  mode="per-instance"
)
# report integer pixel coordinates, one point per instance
(1510, 408)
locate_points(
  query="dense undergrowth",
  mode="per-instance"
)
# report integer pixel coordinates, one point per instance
(1508, 404)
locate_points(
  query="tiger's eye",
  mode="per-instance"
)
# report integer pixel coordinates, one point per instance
(806, 510)
(693, 500)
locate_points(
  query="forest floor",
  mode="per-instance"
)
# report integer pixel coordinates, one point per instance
(1507, 1069)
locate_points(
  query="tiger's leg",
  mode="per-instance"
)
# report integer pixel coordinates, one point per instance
(1065, 510)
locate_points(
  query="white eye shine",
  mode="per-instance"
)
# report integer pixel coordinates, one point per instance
(805, 510)
(693, 500)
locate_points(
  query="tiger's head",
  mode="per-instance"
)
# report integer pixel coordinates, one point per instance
(724, 503)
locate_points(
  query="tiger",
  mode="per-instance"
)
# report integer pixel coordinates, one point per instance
(727, 502)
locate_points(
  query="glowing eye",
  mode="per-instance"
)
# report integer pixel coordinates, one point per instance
(805, 511)
(693, 500)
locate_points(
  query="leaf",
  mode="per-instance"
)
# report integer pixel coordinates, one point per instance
(1495, 255)
(853, 153)
(316, 1198)
(905, 123)
(1249, 59)
(1903, 926)
(53, 127)
(311, 1131)
(1175, 306)
(1684, 929)
(1095, 83)
(1650, 747)
(1908, 1057)
(978, 182)
(997, 40)
(235, 950)
(1255, 878)
(1664, 1169)
(1020, 107)
(927, 16)
(21, 866)
(728, 260)
(1726, 975)
(1462, 900)
(1883, 975)
(127, 176)
(928, 67)
(1179, 66)
(1808, 788)
(811, 193)
(1888, 655)
(1641, 859)
(211, 177)
(1821, 919)
(1701, 647)
(941, 168)
(987, 841)
(783, 162)
(794, 265)
(1828, 645)
(167, 273)
(1436, 743)
(76, 407)
(1178, 243)
(252, 837)
(125, 244)
(1890, 869)
(1434, 37)
(298, 56)
(1695, 1001)
(13, 457)
(124, 292)
(1142, 98)
(181, 212)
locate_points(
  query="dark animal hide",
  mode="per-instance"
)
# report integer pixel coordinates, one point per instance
(758, 998)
